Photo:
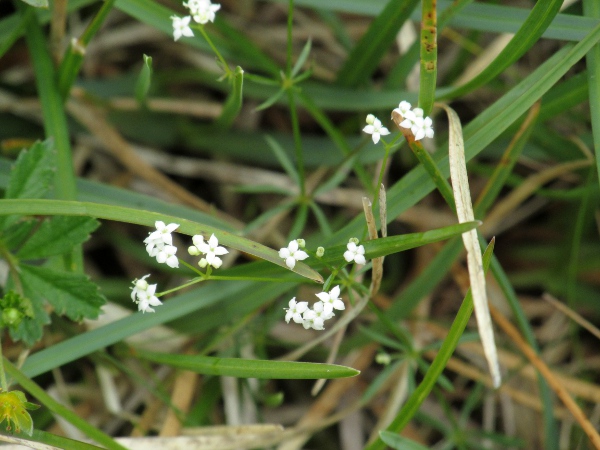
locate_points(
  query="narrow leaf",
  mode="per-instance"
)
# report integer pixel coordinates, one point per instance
(249, 368)
(302, 58)
(464, 211)
(398, 442)
(233, 104)
(142, 85)
(37, 3)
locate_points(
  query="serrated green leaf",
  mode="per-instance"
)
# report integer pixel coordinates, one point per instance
(71, 294)
(30, 330)
(58, 235)
(37, 3)
(250, 368)
(31, 175)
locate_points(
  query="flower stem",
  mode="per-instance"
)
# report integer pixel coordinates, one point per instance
(3, 384)
(228, 72)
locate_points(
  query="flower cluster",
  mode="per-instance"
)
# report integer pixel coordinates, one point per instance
(211, 249)
(142, 294)
(322, 310)
(355, 252)
(375, 129)
(202, 11)
(413, 119)
(292, 253)
(159, 244)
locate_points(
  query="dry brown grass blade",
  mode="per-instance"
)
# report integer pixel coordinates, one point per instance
(577, 318)
(181, 398)
(504, 207)
(383, 210)
(90, 117)
(545, 371)
(464, 211)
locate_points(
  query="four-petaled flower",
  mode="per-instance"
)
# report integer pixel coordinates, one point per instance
(181, 27)
(142, 294)
(292, 253)
(166, 254)
(203, 11)
(403, 108)
(355, 253)
(332, 298)
(375, 128)
(295, 310)
(422, 127)
(161, 236)
(211, 249)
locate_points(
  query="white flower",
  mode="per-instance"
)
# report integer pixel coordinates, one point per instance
(143, 294)
(311, 320)
(166, 254)
(375, 129)
(212, 251)
(332, 298)
(295, 311)
(203, 11)
(181, 27)
(410, 117)
(355, 253)
(422, 127)
(161, 236)
(198, 240)
(291, 254)
(403, 109)
(323, 310)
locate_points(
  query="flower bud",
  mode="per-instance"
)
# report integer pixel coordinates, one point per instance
(370, 119)
(383, 359)
(202, 263)
(355, 240)
(193, 250)
(320, 252)
(301, 243)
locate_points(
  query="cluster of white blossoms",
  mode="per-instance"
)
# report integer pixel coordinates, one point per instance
(159, 244)
(292, 253)
(211, 249)
(202, 11)
(413, 119)
(142, 294)
(321, 311)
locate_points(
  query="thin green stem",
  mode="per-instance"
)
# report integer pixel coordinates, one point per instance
(428, 75)
(228, 71)
(297, 141)
(189, 283)
(192, 268)
(3, 383)
(289, 49)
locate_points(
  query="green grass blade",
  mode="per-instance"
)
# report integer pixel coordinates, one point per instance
(285, 162)
(439, 363)
(367, 53)
(140, 217)
(532, 29)
(428, 74)
(55, 121)
(592, 9)
(142, 85)
(56, 441)
(81, 424)
(249, 368)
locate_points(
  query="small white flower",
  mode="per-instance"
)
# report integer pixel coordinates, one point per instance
(142, 294)
(203, 11)
(355, 253)
(323, 310)
(161, 236)
(198, 240)
(375, 129)
(291, 254)
(422, 127)
(212, 251)
(311, 320)
(181, 27)
(403, 108)
(166, 254)
(332, 298)
(295, 310)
